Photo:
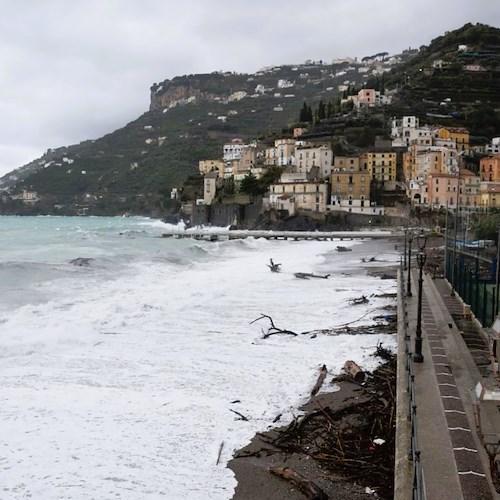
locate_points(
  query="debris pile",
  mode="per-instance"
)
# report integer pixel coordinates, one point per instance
(355, 442)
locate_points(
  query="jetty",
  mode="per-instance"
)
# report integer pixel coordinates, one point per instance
(221, 235)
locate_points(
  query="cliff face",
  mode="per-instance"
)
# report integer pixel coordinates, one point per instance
(186, 89)
(177, 94)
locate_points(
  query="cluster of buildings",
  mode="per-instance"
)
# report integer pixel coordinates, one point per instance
(433, 170)
(424, 162)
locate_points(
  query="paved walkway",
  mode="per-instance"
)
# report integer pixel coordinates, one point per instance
(453, 458)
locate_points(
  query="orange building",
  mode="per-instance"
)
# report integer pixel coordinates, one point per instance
(449, 189)
(489, 168)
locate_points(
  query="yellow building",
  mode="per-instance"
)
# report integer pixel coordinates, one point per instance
(490, 195)
(350, 184)
(207, 166)
(381, 166)
(460, 136)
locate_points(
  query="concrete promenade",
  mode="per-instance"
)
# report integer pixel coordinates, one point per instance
(448, 437)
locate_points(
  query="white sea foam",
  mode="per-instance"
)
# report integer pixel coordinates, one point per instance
(121, 382)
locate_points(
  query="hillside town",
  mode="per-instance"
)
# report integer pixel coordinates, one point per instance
(424, 163)
(382, 136)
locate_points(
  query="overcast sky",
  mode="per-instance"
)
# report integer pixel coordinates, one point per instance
(72, 70)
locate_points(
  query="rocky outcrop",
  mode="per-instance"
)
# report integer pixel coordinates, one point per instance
(176, 95)
(182, 90)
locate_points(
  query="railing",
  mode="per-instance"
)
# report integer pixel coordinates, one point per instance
(466, 275)
(418, 486)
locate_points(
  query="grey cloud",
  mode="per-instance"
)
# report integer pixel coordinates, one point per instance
(76, 70)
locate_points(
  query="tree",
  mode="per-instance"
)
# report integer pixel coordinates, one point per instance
(329, 110)
(250, 185)
(485, 227)
(271, 175)
(306, 115)
(321, 111)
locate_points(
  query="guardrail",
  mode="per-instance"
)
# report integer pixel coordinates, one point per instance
(418, 484)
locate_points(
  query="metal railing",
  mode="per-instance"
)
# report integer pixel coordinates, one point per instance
(418, 484)
(466, 276)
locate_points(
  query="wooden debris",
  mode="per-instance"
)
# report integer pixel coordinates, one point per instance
(354, 371)
(359, 300)
(306, 276)
(307, 487)
(220, 451)
(273, 330)
(342, 439)
(242, 417)
(322, 375)
(275, 268)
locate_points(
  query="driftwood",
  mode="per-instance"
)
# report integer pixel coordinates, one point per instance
(354, 371)
(306, 486)
(306, 276)
(321, 378)
(359, 300)
(220, 452)
(344, 439)
(273, 330)
(242, 417)
(275, 268)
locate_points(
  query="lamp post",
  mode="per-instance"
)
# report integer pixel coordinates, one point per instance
(408, 289)
(404, 253)
(421, 257)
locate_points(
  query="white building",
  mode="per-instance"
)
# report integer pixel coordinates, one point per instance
(233, 150)
(308, 157)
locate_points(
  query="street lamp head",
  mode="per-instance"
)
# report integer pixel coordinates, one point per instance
(421, 241)
(421, 258)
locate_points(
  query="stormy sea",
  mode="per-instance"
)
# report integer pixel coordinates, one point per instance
(127, 360)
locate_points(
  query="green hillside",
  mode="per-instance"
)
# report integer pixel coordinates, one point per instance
(133, 169)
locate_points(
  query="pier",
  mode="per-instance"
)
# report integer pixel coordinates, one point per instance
(218, 235)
